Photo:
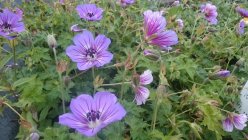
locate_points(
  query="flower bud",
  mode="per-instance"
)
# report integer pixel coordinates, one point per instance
(223, 73)
(76, 28)
(180, 24)
(51, 41)
(61, 66)
(176, 3)
(151, 55)
(220, 74)
(34, 136)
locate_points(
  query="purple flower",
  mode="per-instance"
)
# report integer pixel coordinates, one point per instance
(165, 39)
(154, 25)
(223, 73)
(125, 3)
(237, 120)
(243, 12)
(88, 52)
(89, 12)
(89, 115)
(240, 28)
(76, 28)
(10, 24)
(141, 92)
(210, 12)
(180, 23)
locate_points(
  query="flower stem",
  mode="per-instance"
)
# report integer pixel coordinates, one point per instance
(13, 110)
(62, 92)
(114, 84)
(155, 113)
(122, 84)
(93, 77)
(11, 43)
(60, 80)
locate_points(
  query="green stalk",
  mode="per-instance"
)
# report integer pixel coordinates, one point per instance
(115, 84)
(155, 113)
(122, 84)
(11, 43)
(13, 110)
(93, 77)
(60, 80)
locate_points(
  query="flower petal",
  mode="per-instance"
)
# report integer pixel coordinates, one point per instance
(103, 101)
(239, 121)
(101, 43)
(84, 65)
(227, 125)
(114, 113)
(84, 40)
(146, 78)
(76, 53)
(70, 120)
(81, 105)
(103, 58)
(89, 132)
(141, 95)
(111, 111)
(166, 38)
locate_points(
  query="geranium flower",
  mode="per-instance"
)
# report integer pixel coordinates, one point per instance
(243, 12)
(141, 92)
(240, 28)
(89, 12)
(155, 34)
(10, 23)
(238, 120)
(88, 52)
(125, 3)
(89, 115)
(210, 12)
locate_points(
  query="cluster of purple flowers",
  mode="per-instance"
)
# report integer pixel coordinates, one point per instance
(90, 114)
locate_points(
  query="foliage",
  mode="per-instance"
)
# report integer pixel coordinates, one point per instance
(184, 107)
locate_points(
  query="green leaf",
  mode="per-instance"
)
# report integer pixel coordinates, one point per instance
(2, 88)
(5, 60)
(22, 81)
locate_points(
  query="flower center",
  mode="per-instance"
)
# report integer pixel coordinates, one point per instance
(90, 14)
(6, 27)
(91, 54)
(93, 118)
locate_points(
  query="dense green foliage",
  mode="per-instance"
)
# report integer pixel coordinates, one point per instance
(189, 105)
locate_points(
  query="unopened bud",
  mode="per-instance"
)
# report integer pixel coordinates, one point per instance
(176, 3)
(220, 74)
(151, 55)
(180, 24)
(61, 66)
(76, 28)
(51, 41)
(34, 136)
